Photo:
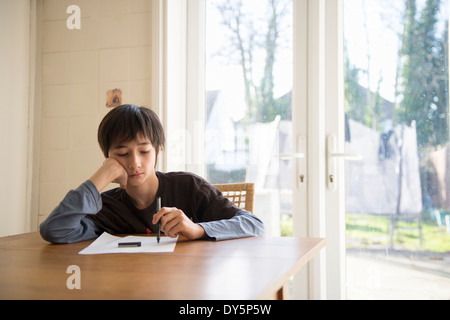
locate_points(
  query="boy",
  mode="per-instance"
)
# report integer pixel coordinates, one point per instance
(131, 139)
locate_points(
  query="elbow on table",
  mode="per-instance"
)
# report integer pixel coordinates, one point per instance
(51, 235)
(260, 229)
(52, 231)
(56, 235)
(255, 226)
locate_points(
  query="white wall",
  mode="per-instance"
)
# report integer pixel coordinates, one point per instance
(51, 106)
(111, 50)
(14, 92)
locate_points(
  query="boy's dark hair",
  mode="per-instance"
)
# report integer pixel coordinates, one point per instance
(125, 122)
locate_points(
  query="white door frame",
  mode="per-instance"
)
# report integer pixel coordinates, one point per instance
(317, 111)
(320, 212)
(335, 125)
(178, 81)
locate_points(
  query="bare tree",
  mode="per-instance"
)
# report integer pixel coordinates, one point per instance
(246, 41)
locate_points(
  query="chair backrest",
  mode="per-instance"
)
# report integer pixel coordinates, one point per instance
(241, 194)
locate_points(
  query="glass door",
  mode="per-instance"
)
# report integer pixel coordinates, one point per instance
(397, 117)
(249, 84)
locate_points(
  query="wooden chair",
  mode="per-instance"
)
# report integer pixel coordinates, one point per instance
(241, 194)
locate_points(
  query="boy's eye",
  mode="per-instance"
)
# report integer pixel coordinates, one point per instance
(125, 154)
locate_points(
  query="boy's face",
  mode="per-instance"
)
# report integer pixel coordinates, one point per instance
(138, 157)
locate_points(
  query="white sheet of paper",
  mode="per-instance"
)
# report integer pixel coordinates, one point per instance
(108, 243)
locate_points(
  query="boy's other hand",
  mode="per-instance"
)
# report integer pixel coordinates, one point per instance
(174, 222)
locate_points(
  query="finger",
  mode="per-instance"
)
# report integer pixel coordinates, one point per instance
(178, 228)
(170, 219)
(122, 183)
(173, 223)
(164, 211)
(172, 232)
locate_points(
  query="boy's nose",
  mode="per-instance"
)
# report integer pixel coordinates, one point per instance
(135, 163)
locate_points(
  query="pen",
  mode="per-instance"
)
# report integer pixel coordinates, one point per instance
(158, 225)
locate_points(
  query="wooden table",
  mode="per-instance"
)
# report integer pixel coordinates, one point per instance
(248, 268)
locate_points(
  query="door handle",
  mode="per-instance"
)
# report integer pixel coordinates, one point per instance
(287, 156)
(301, 176)
(332, 157)
(347, 156)
(300, 165)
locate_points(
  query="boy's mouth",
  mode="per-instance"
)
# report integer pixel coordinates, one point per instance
(136, 175)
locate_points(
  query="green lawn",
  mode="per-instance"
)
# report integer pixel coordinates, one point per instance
(372, 231)
(365, 230)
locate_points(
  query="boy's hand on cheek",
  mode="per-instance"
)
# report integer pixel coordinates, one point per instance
(110, 171)
(120, 172)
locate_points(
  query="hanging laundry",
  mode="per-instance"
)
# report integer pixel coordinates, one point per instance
(387, 180)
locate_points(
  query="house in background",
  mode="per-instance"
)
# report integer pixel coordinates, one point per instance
(236, 152)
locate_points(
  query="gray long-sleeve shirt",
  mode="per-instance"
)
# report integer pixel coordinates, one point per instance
(85, 213)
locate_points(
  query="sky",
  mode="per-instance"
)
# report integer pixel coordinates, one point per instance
(380, 21)
(220, 69)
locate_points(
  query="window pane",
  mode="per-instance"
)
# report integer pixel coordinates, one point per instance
(397, 117)
(248, 102)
